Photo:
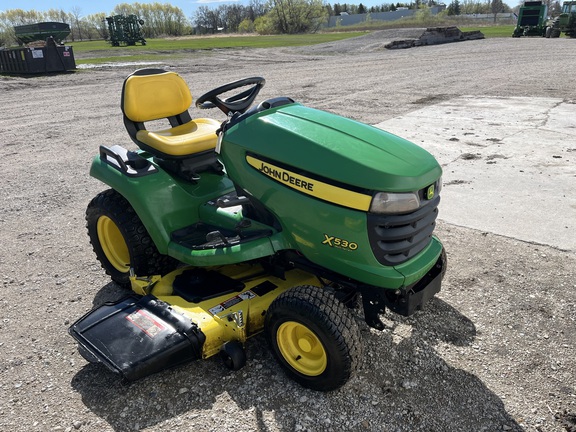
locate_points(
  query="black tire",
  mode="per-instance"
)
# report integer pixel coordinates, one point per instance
(233, 355)
(444, 258)
(121, 241)
(314, 337)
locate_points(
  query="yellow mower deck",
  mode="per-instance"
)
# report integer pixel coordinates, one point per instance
(234, 316)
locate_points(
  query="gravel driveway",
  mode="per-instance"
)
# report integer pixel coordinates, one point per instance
(495, 351)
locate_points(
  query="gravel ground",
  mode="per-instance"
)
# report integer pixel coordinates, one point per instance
(495, 351)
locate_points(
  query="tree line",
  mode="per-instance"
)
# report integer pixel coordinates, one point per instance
(160, 19)
(262, 16)
(353, 9)
(471, 7)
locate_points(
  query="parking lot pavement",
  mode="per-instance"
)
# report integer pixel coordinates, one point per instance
(509, 164)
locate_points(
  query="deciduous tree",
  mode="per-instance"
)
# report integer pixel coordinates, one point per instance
(297, 16)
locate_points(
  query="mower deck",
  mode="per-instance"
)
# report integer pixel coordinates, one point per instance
(186, 315)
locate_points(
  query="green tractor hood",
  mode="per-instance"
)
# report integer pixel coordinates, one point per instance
(335, 148)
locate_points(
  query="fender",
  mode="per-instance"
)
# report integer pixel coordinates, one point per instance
(163, 203)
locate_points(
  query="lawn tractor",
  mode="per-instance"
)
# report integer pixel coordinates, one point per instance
(282, 219)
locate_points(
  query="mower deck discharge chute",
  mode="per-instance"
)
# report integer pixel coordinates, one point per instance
(276, 220)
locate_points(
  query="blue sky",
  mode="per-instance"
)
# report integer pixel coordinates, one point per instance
(93, 6)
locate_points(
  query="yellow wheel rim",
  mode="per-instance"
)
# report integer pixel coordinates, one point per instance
(301, 348)
(113, 244)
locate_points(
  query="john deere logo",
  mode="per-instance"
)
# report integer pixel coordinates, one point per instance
(430, 192)
(312, 186)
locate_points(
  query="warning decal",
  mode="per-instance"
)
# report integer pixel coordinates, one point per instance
(146, 322)
(226, 304)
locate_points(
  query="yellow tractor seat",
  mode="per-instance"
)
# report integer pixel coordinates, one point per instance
(195, 136)
(187, 146)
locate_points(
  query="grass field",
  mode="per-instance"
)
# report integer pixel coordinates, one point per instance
(159, 49)
(171, 46)
(493, 31)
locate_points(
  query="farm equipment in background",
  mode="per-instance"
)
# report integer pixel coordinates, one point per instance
(564, 23)
(29, 33)
(531, 19)
(125, 30)
(43, 53)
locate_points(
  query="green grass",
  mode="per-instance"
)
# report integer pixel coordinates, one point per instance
(162, 49)
(493, 31)
(489, 31)
(128, 58)
(171, 47)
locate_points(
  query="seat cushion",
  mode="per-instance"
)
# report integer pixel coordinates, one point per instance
(195, 136)
(155, 96)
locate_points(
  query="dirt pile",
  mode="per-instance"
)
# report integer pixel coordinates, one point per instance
(435, 36)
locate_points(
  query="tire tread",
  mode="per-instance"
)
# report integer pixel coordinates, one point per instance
(320, 306)
(144, 256)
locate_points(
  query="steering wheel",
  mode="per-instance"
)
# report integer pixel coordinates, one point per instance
(237, 103)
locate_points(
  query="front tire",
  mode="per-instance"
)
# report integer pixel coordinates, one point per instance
(121, 241)
(444, 259)
(555, 28)
(314, 337)
(233, 355)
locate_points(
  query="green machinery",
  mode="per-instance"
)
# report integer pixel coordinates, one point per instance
(531, 19)
(43, 53)
(41, 31)
(565, 22)
(125, 30)
(277, 220)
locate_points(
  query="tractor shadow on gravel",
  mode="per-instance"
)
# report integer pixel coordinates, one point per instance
(406, 383)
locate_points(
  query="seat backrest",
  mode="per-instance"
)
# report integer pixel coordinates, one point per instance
(152, 94)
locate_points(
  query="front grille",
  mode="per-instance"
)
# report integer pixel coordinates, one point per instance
(397, 238)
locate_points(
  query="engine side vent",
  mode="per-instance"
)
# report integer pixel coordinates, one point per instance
(397, 238)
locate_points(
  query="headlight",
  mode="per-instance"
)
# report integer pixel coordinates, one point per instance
(387, 203)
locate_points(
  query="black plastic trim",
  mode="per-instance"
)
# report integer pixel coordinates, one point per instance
(201, 236)
(262, 106)
(127, 162)
(147, 344)
(395, 239)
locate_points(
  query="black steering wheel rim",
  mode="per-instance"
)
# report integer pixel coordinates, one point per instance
(237, 103)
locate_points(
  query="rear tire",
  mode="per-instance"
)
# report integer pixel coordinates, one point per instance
(121, 241)
(314, 337)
